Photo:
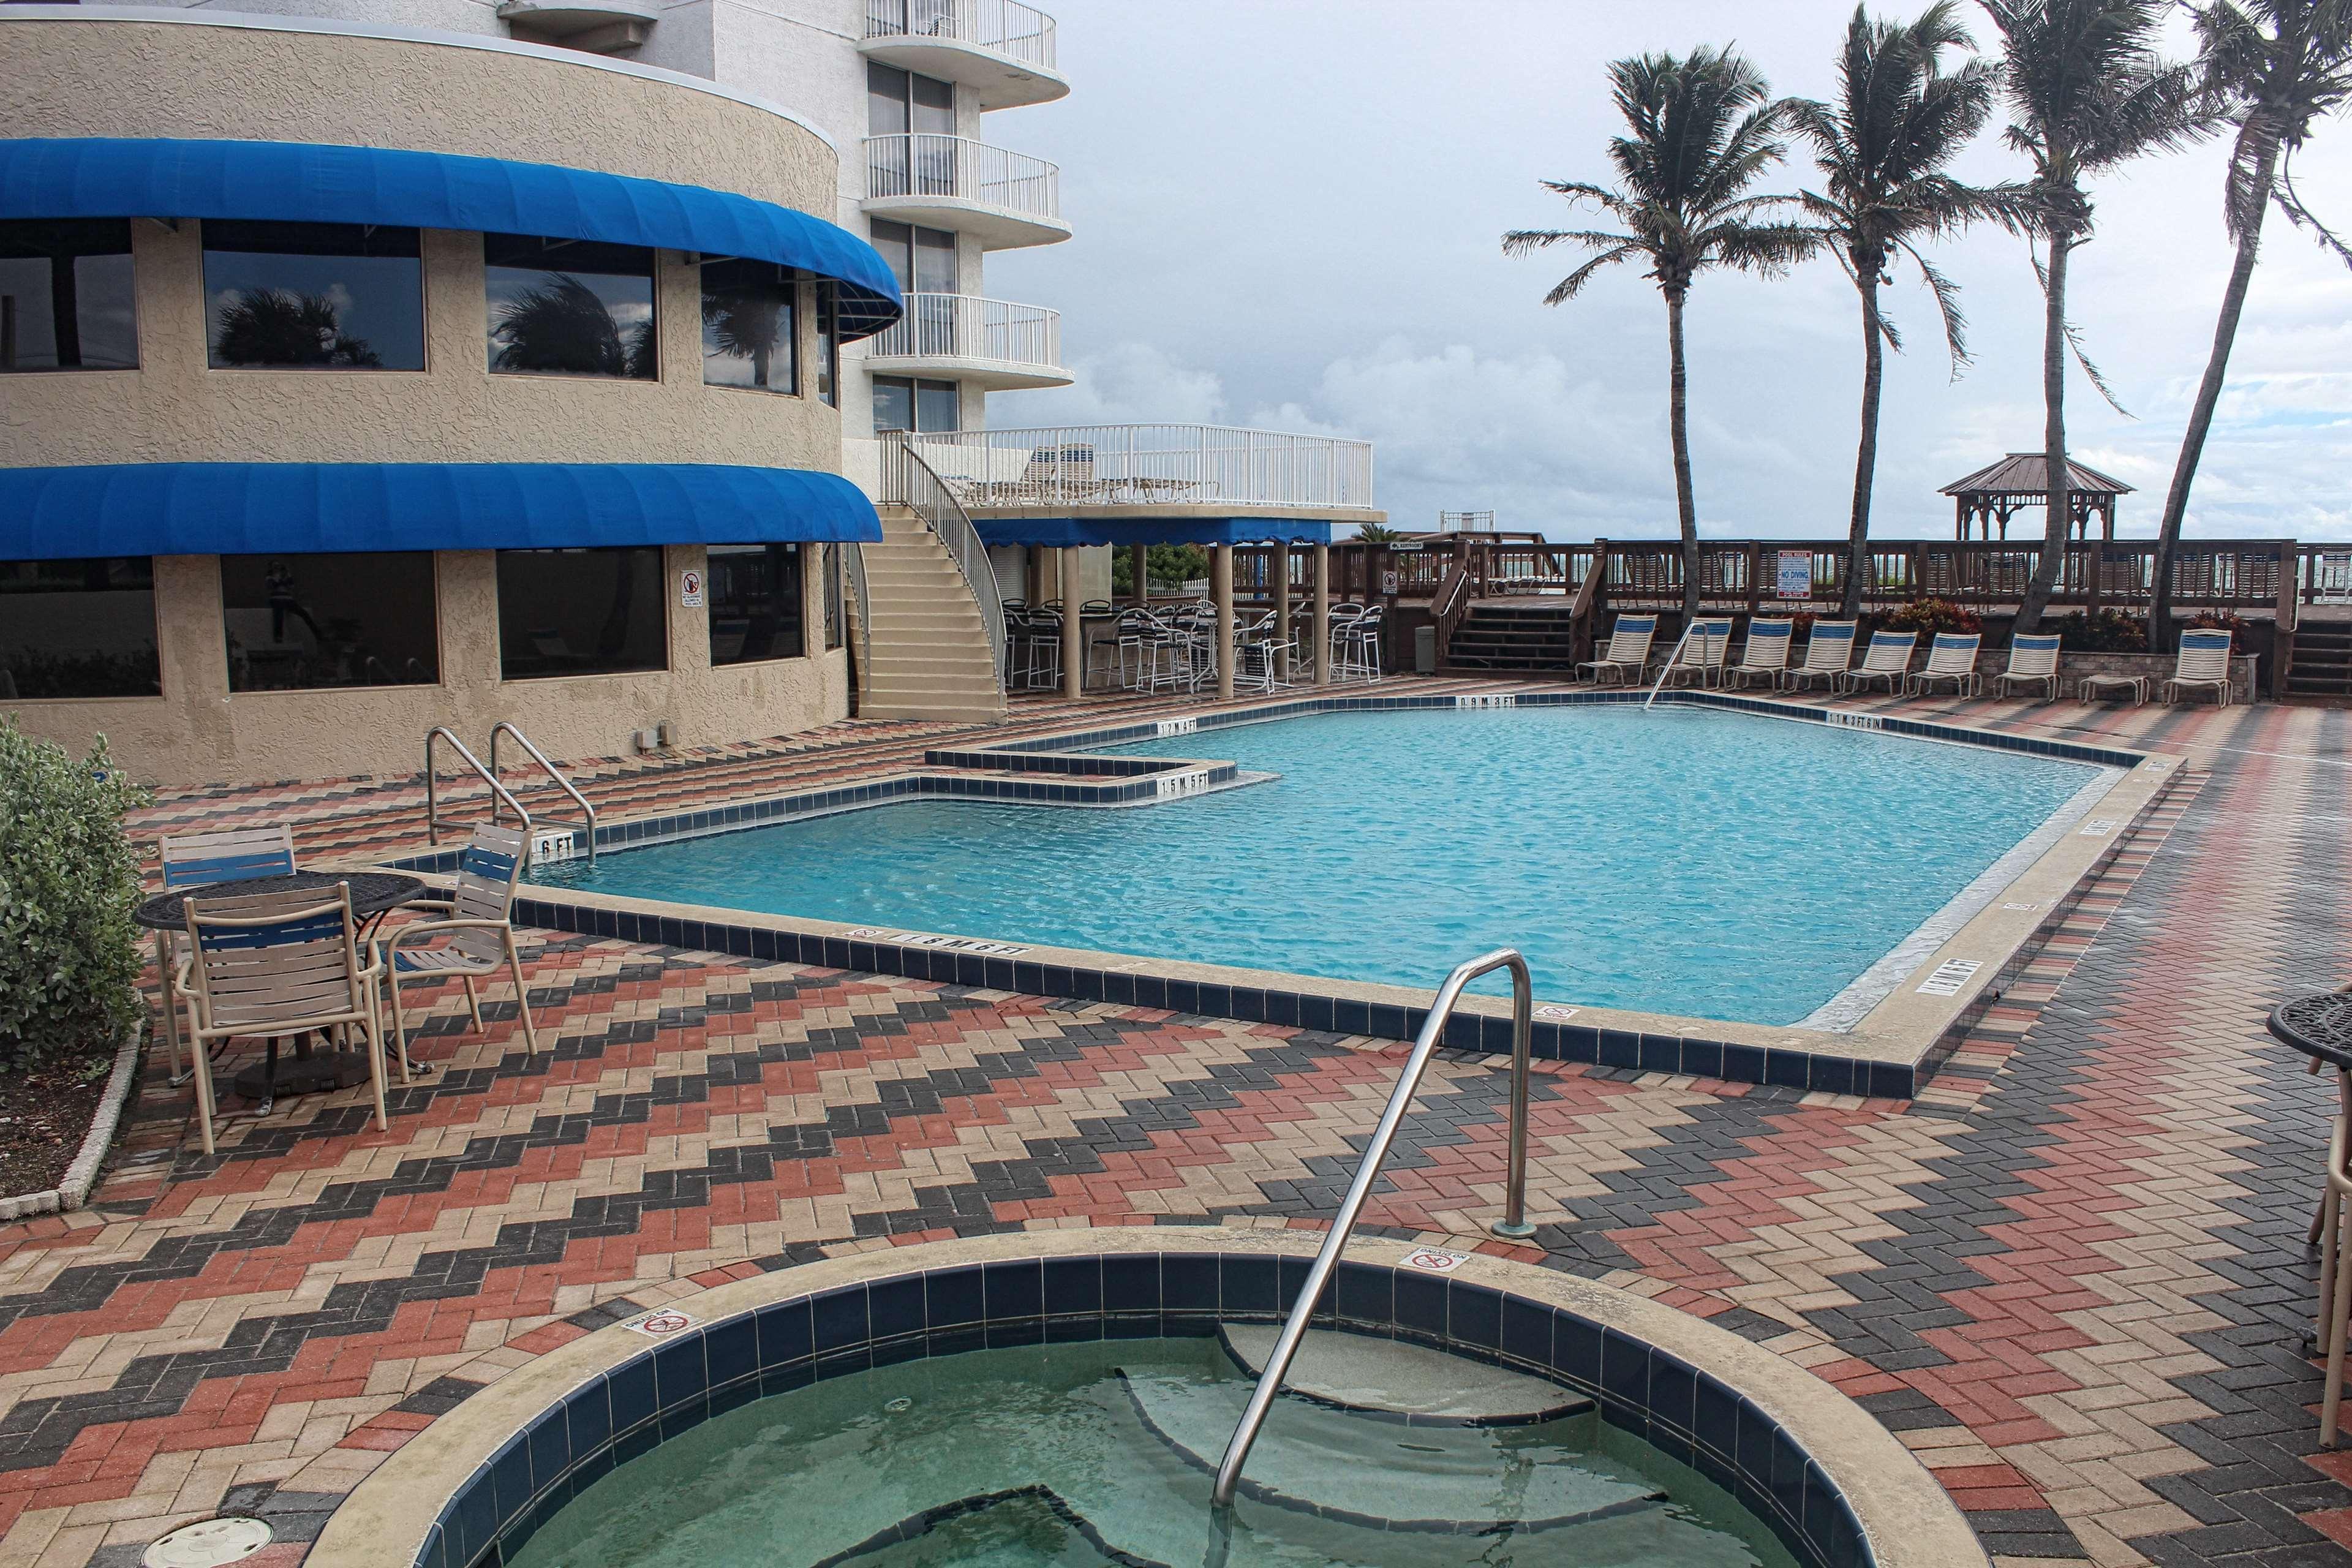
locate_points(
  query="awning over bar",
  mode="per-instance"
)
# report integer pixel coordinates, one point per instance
(259, 509)
(303, 182)
(1169, 529)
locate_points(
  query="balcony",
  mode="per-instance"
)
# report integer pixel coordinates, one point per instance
(598, 27)
(1154, 470)
(1001, 50)
(990, 344)
(1002, 199)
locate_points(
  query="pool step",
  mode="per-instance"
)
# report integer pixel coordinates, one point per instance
(1401, 1381)
(928, 653)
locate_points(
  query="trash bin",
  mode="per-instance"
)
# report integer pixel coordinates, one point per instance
(1424, 651)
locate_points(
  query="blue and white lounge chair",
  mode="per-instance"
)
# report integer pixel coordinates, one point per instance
(480, 933)
(1887, 658)
(1629, 649)
(1766, 656)
(2203, 666)
(1700, 658)
(1952, 656)
(2032, 658)
(1827, 653)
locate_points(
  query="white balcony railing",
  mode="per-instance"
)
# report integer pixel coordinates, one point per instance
(1141, 465)
(1004, 26)
(955, 168)
(966, 327)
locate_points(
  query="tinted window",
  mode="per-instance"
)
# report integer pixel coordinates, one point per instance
(298, 622)
(747, 337)
(313, 296)
(563, 307)
(66, 301)
(755, 603)
(903, 402)
(834, 617)
(579, 611)
(920, 258)
(78, 628)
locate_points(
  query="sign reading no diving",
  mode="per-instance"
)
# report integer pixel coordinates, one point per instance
(689, 590)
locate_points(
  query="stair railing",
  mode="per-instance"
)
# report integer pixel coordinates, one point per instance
(585, 825)
(433, 821)
(1512, 1226)
(913, 483)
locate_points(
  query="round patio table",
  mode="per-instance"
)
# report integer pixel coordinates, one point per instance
(374, 894)
(2319, 1026)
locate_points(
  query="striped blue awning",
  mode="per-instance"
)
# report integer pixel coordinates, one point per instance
(304, 182)
(267, 508)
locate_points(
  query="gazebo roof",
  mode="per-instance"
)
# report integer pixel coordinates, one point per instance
(2028, 473)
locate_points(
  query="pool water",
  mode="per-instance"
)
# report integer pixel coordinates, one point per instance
(1686, 861)
(1100, 1453)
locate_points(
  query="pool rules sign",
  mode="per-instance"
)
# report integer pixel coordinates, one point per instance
(1796, 574)
(689, 590)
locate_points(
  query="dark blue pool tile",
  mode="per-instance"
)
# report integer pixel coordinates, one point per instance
(1527, 1331)
(1318, 1012)
(1753, 1457)
(1350, 1017)
(1188, 1281)
(891, 1353)
(1743, 1064)
(785, 1333)
(1624, 1372)
(677, 1422)
(1213, 1001)
(1291, 1278)
(764, 945)
(1385, 1023)
(1662, 1053)
(1673, 1391)
(914, 962)
(786, 1376)
(1014, 1289)
(1889, 1081)
(474, 1522)
(635, 1445)
(1247, 1003)
(1074, 1330)
(1183, 996)
(632, 1385)
(679, 1374)
(953, 1297)
(734, 1395)
(1131, 1326)
(1787, 1069)
(1474, 1315)
(836, 953)
(957, 1341)
(510, 1477)
(840, 1319)
(1832, 1075)
(1150, 991)
(1008, 1334)
(1421, 1304)
(1088, 985)
(1119, 989)
(1131, 1283)
(1619, 1049)
(1366, 1293)
(1789, 1468)
(1248, 1285)
(1716, 1469)
(550, 1448)
(1715, 1418)
(1073, 1285)
(1820, 1518)
(844, 1364)
(1846, 1540)
(730, 1350)
(1703, 1059)
(894, 1308)
(435, 1552)
(1029, 978)
(1579, 1043)
(971, 969)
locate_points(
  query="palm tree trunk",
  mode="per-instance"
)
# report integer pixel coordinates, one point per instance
(2057, 528)
(2201, 415)
(1678, 426)
(1866, 461)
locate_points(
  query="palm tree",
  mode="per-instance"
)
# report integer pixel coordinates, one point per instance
(1377, 533)
(1702, 132)
(2279, 65)
(277, 326)
(1898, 122)
(560, 325)
(746, 323)
(2086, 93)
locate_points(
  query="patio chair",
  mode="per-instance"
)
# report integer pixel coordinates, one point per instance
(1827, 653)
(2030, 659)
(479, 927)
(2092, 687)
(1766, 656)
(1629, 651)
(270, 965)
(1701, 656)
(1887, 658)
(193, 859)
(2203, 666)
(1952, 656)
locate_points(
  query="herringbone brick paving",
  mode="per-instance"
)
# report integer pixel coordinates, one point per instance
(2070, 1275)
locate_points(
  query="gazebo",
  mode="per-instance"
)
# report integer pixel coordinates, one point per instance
(2021, 480)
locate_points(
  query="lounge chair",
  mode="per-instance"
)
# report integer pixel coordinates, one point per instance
(1629, 649)
(1952, 656)
(2092, 687)
(1887, 658)
(2203, 666)
(1766, 656)
(2031, 658)
(197, 860)
(1827, 653)
(478, 925)
(1701, 656)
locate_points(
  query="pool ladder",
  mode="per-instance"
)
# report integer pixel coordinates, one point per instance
(1512, 1226)
(583, 827)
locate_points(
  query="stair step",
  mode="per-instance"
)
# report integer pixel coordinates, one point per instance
(1368, 1376)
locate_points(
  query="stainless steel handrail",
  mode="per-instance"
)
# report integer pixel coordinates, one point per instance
(587, 822)
(853, 566)
(1513, 1225)
(433, 821)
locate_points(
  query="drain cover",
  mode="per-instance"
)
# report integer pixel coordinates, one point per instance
(208, 1543)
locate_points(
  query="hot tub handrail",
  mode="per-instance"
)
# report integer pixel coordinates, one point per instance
(1513, 1225)
(433, 821)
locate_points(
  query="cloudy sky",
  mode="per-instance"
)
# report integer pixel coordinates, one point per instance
(1289, 214)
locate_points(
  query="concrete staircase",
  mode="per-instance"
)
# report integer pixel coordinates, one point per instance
(928, 654)
(2322, 662)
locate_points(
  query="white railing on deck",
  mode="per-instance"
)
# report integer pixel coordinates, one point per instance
(1005, 26)
(1137, 465)
(964, 326)
(922, 163)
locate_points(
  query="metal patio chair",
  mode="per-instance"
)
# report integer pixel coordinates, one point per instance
(1828, 652)
(1888, 659)
(2032, 658)
(2203, 666)
(1766, 655)
(195, 859)
(1701, 656)
(478, 928)
(1628, 654)
(1952, 656)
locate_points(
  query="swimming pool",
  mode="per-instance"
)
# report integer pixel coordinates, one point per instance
(1691, 860)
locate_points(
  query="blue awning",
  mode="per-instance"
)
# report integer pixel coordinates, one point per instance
(1064, 530)
(292, 509)
(302, 182)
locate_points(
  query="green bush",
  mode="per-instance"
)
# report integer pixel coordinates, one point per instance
(69, 955)
(2107, 631)
(1929, 616)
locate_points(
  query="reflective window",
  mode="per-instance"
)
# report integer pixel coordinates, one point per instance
(905, 403)
(828, 346)
(755, 603)
(748, 333)
(313, 296)
(296, 623)
(66, 300)
(579, 611)
(571, 307)
(833, 613)
(78, 628)
(922, 259)
(898, 164)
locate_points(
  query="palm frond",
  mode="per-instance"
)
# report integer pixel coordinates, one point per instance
(2074, 345)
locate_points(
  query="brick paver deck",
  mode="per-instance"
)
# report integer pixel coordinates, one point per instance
(2071, 1275)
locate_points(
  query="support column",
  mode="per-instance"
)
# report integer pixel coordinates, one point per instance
(1280, 563)
(1033, 571)
(1139, 568)
(1074, 627)
(1321, 623)
(1221, 589)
